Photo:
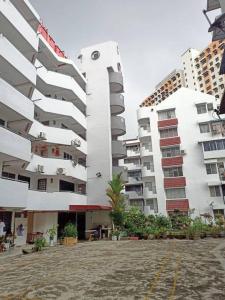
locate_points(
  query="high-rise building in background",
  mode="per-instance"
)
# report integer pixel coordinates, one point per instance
(182, 155)
(200, 72)
(59, 128)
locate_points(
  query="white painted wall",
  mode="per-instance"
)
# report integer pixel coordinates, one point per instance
(45, 221)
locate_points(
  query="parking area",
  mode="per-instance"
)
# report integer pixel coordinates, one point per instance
(160, 269)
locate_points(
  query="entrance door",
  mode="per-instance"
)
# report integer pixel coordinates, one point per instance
(81, 220)
(6, 217)
(63, 219)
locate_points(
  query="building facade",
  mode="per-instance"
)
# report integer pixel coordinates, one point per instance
(185, 160)
(59, 128)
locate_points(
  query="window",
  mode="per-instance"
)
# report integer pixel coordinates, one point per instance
(173, 172)
(170, 132)
(149, 165)
(150, 186)
(211, 168)
(66, 186)
(167, 114)
(214, 145)
(8, 175)
(24, 178)
(136, 202)
(204, 127)
(95, 55)
(2, 122)
(201, 108)
(175, 193)
(171, 152)
(67, 156)
(214, 191)
(42, 184)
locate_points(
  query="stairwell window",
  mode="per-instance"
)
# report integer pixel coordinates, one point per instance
(214, 191)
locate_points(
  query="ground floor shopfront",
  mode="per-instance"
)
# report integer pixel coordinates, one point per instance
(26, 226)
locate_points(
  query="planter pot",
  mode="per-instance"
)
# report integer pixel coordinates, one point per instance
(133, 238)
(151, 237)
(51, 243)
(69, 241)
(118, 238)
(114, 238)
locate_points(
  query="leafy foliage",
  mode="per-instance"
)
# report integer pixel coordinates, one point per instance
(40, 243)
(70, 230)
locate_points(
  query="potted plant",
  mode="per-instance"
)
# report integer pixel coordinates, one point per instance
(116, 235)
(70, 234)
(39, 244)
(52, 233)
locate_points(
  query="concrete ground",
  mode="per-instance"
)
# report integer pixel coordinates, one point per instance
(164, 269)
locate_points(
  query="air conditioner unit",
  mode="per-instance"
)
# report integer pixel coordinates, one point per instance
(42, 135)
(40, 169)
(60, 171)
(76, 143)
(182, 152)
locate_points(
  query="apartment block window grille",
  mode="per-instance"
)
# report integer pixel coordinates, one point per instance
(211, 169)
(215, 145)
(8, 175)
(167, 133)
(67, 156)
(167, 114)
(170, 152)
(173, 172)
(214, 191)
(178, 193)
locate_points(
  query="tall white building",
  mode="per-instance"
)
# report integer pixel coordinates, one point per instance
(59, 128)
(184, 166)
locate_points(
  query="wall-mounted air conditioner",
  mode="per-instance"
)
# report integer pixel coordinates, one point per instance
(40, 169)
(60, 171)
(182, 152)
(76, 143)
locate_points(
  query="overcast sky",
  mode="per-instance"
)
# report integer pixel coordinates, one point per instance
(152, 34)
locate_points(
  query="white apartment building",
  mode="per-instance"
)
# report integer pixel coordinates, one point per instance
(59, 128)
(183, 165)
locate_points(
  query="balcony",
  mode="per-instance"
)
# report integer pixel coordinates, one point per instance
(13, 104)
(14, 146)
(55, 201)
(146, 151)
(174, 182)
(53, 62)
(181, 205)
(134, 180)
(167, 123)
(28, 12)
(16, 69)
(133, 152)
(51, 165)
(23, 36)
(143, 113)
(118, 126)
(170, 141)
(144, 132)
(67, 112)
(148, 194)
(172, 161)
(118, 149)
(58, 136)
(135, 194)
(116, 82)
(13, 194)
(117, 104)
(147, 172)
(118, 170)
(60, 85)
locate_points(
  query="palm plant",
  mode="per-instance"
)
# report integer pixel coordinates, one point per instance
(114, 192)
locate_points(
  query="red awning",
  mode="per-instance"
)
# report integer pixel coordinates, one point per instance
(89, 207)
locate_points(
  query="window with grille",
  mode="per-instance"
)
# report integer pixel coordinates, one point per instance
(170, 132)
(175, 193)
(201, 108)
(214, 191)
(211, 168)
(42, 184)
(167, 114)
(173, 172)
(214, 145)
(171, 152)
(204, 127)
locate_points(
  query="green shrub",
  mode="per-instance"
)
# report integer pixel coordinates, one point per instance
(40, 243)
(70, 230)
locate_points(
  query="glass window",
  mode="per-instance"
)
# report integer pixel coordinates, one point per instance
(173, 172)
(67, 156)
(175, 193)
(167, 114)
(214, 191)
(211, 169)
(170, 132)
(201, 108)
(171, 152)
(204, 127)
(214, 145)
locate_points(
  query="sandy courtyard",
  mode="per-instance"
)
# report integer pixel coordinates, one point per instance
(167, 269)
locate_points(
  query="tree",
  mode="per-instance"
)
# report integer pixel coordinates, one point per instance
(114, 192)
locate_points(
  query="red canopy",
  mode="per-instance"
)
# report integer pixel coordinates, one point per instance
(89, 207)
